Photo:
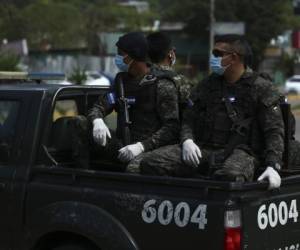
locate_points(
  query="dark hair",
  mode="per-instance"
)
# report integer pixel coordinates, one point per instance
(238, 45)
(159, 45)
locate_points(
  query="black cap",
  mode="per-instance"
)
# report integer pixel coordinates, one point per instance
(135, 44)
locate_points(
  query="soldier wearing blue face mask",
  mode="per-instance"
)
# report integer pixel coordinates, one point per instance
(234, 126)
(153, 109)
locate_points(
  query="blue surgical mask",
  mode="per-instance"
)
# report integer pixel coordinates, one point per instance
(216, 65)
(119, 62)
(173, 61)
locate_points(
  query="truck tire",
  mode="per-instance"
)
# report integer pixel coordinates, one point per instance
(73, 246)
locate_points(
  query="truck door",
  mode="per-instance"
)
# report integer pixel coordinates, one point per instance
(11, 122)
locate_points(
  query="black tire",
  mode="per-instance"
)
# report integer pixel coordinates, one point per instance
(73, 246)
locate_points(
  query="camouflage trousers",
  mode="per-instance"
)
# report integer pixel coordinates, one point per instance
(239, 166)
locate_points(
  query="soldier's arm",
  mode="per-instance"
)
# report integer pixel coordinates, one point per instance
(103, 106)
(167, 108)
(190, 114)
(188, 124)
(270, 119)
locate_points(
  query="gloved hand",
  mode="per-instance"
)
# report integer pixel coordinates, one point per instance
(272, 176)
(191, 153)
(129, 152)
(100, 131)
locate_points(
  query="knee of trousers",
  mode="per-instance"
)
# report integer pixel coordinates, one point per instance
(146, 167)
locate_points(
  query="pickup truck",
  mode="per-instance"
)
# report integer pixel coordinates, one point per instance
(48, 203)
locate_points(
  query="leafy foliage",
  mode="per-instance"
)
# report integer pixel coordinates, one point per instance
(66, 24)
(9, 62)
(264, 20)
(78, 75)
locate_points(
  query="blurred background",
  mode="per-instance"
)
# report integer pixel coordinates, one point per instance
(78, 37)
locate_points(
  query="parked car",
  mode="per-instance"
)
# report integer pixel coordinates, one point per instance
(96, 78)
(292, 85)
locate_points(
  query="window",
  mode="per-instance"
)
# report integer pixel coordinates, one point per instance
(8, 120)
(65, 108)
(295, 80)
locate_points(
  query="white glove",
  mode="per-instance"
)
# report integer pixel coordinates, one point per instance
(272, 176)
(100, 131)
(129, 152)
(191, 153)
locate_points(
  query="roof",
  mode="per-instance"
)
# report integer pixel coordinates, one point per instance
(43, 87)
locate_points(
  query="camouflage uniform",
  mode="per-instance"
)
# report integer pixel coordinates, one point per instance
(208, 124)
(153, 114)
(183, 87)
(181, 82)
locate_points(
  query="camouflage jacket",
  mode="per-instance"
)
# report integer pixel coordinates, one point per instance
(181, 82)
(261, 101)
(154, 117)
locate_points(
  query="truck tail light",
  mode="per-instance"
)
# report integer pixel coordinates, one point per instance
(233, 232)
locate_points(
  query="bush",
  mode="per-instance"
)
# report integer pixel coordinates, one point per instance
(78, 76)
(9, 61)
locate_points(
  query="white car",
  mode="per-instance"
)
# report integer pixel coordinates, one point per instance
(96, 78)
(292, 85)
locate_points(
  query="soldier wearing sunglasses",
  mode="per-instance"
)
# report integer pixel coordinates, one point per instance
(234, 126)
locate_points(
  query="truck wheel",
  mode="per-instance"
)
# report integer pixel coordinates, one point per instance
(73, 247)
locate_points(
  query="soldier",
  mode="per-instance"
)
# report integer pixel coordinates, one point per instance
(153, 110)
(163, 56)
(234, 125)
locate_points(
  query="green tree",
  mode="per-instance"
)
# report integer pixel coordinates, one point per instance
(58, 24)
(9, 62)
(109, 16)
(40, 22)
(12, 23)
(65, 24)
(264, 20)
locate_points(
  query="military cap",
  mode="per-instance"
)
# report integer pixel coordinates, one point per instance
(134, 44)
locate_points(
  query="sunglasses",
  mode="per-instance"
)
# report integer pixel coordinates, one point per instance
(221, 53)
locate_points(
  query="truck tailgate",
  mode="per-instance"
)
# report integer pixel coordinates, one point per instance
(271, 220)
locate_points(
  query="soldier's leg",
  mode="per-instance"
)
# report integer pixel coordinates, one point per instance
(239, 166)
(134, 165)
(84, 148)
(294, 154)
(80, 127)
(166, 160)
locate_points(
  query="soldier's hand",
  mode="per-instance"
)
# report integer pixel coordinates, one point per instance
(272, 176)
(191, 153)
(129, 152)
(100, 132)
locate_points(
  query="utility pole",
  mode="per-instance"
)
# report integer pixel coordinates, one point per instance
(211, 29)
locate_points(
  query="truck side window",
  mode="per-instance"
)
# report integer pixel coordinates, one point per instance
(65, 108)
(8, 118)
(60, 139)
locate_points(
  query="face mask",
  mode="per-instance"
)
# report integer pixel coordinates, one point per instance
(119, 62)
(173, 59)
(216, 65)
